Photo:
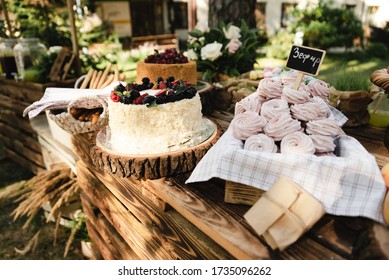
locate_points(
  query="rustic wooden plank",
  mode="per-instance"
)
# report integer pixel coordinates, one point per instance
(111, 245)
(373, 244)
(23, 162)
(212, 219)
(9, 117)
(50, 159)
(81, 146)
(22, 150)
(15, 135)
(338, 233)
(15, 105)
(178, 244)
(141, 238)
(308, 249)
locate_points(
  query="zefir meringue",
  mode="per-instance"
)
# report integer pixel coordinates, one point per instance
(269, 88)
(250, 103)
(293, 96)
(261, 143)
(305, 112)
(324, 127)
(247, 124)
(323, 143)
(325, 110)
(280, 126)
(273, 108)
(319, 88)
(297, 143)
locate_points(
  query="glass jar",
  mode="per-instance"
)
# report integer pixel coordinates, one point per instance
(27, 53)
(7, 59)
(379, 110)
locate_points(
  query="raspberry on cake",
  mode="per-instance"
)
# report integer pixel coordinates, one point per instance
(165, 64)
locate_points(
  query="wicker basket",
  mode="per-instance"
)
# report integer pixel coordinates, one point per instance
(67, 122)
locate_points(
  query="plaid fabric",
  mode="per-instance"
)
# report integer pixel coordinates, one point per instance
(349, 184)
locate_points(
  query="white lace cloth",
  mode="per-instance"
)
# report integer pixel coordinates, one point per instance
(349, 184)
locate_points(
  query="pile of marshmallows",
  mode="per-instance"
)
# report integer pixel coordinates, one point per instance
(278, 118)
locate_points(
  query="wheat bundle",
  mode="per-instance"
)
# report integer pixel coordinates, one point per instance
(56, 186)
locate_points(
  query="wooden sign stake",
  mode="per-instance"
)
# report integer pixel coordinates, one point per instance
(298, 80)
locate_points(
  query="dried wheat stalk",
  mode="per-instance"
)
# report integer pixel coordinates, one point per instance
(13, 190)
(56, 185)
(71, 237)
(65, 197)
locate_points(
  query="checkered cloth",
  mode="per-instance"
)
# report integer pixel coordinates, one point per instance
(349, 184)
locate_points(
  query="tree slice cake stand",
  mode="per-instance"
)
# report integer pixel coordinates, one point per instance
(181, 159)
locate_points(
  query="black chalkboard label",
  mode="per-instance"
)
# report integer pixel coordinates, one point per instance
(306, 60)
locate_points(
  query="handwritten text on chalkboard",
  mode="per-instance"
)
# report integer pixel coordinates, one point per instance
(305, 59)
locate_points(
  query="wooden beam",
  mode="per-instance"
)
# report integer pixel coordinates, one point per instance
(6, 16)
(73, 31)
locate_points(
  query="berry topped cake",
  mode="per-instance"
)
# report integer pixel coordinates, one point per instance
(165, 64)
(150, 118)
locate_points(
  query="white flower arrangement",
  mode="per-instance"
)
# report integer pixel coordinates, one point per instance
(228, 49)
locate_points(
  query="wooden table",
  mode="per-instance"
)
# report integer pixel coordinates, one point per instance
(167, 219)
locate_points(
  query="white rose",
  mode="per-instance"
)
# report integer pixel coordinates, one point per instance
(233, 32)
(192, 55)
(202, 26)
(211, 51)
(233, 46)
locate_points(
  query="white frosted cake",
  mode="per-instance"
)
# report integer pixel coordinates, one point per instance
(150, 119)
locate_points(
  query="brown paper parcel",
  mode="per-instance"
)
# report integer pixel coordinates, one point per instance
(284, 213)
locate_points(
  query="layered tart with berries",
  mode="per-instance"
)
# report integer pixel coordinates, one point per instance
(149, 118)
(165, 64)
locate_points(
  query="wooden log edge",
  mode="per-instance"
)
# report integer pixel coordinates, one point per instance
(153, 166)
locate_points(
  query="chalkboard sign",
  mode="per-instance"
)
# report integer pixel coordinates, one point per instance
(306, 60)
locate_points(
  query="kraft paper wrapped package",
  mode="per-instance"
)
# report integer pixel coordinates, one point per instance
(284, 213)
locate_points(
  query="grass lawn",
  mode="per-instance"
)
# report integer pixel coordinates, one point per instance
(336, 64)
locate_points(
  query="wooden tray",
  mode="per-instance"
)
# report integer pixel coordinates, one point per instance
(152, 166)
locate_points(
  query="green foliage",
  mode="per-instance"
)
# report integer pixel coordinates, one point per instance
(325, 26)
(280, 45)
(379, 50)
(40, 72)
(39, 21)
(351, 80)
(229, 63)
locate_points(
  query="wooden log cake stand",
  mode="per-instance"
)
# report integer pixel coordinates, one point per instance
(152, 166)
(129, 218)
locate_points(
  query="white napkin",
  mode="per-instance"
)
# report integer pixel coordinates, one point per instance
(59, 98)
